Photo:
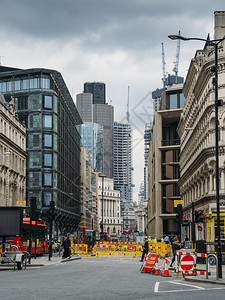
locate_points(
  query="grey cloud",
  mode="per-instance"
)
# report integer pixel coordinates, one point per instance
(101, 25)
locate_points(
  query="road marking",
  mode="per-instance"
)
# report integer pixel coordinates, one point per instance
(156, 289)
(194, 286)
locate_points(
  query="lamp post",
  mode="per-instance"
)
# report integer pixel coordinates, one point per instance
(218, 102)
(102, 222)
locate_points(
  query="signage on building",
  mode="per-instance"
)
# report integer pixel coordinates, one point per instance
(176, 202)
(21, 203)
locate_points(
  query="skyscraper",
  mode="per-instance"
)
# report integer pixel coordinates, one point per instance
(122, 160)
(102, 114)
(97, 89)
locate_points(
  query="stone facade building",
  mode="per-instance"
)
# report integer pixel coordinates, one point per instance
(112, 219)
(12, 156)
(197, 158)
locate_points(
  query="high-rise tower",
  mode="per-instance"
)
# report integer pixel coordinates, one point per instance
(97, 89)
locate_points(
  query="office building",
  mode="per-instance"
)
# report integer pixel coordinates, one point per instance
(97, 89)
(44, 103)
(102, 114)
(197, 131)
(163, 164)
(122, 160)
(92, 140)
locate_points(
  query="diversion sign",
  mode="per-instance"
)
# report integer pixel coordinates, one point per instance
(10, 221)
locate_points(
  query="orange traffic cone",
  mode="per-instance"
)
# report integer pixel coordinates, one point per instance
(157, 271)
(144, 270)
(166, 271)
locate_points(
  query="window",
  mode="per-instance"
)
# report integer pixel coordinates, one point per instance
(47, 179)
(47, 197)
(48, 160)
(47, 121)
(182, 100)
(17, 85)
(45, 83)
(48, 140)
(36, 140)
(172, 101)
(47, 104)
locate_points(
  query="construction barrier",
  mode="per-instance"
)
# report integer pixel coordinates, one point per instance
(130, 250)
(104, 250)
(186, 263)
(79, 249)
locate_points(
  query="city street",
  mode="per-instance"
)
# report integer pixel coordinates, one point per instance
(102, 277)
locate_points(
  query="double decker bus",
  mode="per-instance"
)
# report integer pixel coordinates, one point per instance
(34, 230)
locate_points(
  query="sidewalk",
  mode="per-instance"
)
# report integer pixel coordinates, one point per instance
(211, 277)
(44, 260)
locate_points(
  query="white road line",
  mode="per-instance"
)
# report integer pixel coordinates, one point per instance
(194, 286)
(156, 289)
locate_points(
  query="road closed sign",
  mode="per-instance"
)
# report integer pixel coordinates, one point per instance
(187, 262)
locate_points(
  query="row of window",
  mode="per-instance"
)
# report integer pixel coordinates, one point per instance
(25, 84)
(22, 103)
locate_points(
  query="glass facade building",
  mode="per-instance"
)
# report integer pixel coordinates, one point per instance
(92, 140)
(45, 105)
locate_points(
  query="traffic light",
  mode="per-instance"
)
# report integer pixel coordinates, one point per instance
(101, 226)
(179, 215)
(198, 216)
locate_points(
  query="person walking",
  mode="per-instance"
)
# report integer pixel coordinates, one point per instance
(66, 246)
(175, 247)
(145, 249)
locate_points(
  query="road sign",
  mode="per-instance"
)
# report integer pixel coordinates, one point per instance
(176, 202)
(187, 262)
(131, 247)
(150, 262)
(212, 260)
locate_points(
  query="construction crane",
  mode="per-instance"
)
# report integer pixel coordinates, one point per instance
(175, 69)
(163, 66)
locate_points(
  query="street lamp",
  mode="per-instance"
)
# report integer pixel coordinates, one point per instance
(102, 222)
(218, 102)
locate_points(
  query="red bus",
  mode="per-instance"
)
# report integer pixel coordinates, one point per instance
(40, 230)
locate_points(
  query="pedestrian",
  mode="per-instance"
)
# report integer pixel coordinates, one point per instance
(186, 243)
(66, 246)
(175, 247)
(166, 239)
(145, 249)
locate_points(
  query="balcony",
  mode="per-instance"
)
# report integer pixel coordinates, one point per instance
(171, 142)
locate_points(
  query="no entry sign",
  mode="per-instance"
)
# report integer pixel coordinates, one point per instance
(187, 262)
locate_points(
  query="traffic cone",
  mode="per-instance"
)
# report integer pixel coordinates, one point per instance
(166, 271)
(144, 270)
(157, 271)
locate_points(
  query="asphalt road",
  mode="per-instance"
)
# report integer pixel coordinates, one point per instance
(99, 278)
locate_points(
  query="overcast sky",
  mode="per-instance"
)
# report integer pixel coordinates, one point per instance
(117, 42)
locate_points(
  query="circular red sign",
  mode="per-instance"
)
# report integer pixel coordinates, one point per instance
(187, 262)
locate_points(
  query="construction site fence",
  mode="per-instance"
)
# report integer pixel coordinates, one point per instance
(125, 248)
(104, 249)
(79, 249)
(136, 250)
